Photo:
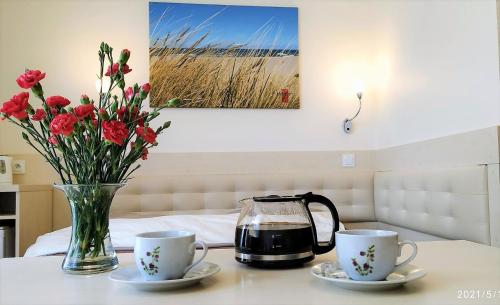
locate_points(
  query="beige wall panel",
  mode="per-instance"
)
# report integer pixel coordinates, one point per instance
(195, 165)
(61, 213)
(39, 172)
(35, 217)
(465, 149)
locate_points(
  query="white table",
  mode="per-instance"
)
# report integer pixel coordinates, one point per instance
(451, 266)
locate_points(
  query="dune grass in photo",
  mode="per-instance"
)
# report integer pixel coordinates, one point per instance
(191, 69)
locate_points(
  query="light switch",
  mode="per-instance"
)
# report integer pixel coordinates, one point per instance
(348, 160)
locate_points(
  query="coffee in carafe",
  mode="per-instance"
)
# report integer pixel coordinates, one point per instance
(276, 231)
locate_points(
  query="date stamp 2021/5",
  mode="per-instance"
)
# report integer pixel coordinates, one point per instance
(478, 293)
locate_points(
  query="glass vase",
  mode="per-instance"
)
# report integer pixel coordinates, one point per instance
(90, 249)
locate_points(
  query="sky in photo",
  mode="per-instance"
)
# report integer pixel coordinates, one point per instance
(253, 26)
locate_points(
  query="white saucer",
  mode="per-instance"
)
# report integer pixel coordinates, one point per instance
(330, 271)
(131, 276)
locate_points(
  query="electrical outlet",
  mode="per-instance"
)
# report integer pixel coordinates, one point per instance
(18, 167)
(348, 160)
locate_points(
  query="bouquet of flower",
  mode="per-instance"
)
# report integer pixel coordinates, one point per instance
(91, 145)
(94, 142)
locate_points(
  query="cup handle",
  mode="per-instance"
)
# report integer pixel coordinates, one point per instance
(205, 251)
(412, 256)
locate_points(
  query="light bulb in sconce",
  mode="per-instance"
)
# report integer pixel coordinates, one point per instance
(348, 122)
(359, 87)
(105, 85)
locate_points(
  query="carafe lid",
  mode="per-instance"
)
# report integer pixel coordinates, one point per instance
(276, 198)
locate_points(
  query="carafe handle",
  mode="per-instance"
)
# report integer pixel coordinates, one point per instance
(324, 247)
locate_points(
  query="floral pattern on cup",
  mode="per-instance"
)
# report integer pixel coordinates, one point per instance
(366, 268)
(152, 268)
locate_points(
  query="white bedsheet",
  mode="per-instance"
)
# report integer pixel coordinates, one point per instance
(215, 230)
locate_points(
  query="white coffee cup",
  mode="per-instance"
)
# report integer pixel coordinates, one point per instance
(166, 255)
(370, 255)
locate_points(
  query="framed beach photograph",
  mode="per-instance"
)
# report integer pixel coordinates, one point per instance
(223, 56)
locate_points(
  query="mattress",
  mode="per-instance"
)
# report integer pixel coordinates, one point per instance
(217, 230)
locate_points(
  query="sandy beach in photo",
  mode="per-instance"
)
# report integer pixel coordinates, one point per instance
(226, 82)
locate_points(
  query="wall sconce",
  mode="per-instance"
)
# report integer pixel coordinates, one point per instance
(348, 122)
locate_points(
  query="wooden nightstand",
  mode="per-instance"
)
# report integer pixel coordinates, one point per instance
(28, 208)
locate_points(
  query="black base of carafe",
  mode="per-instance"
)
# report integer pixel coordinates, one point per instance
(278, 264)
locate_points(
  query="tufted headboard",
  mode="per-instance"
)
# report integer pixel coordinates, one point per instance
(451, 203)
(351, 191)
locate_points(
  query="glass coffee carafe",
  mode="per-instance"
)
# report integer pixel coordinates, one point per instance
(279, 231)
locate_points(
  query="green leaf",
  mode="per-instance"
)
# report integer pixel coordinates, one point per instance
(25, 136)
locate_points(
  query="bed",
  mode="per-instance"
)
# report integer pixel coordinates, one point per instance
(217, 230)
(208, 204)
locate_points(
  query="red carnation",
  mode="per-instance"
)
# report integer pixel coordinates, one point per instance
(115, 131)
(84, 99)
(103, 114)
(124, 56)
(125, 69)
(129, 93)
(21, 115)
(53, 140)
(57, 101)
(147, 134)
(121, 112)
(63, 124)
(146, 87)
(144, 154)
(83, 111)
(142, 116)
(39, 115)
(135, 112)
(30, 78)
(16, 106)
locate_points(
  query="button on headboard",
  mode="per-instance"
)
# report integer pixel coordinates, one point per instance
(452, 203)
(351, 191)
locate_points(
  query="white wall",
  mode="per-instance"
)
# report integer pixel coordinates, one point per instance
(61, 38)
(430, 68)
(443, 67)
